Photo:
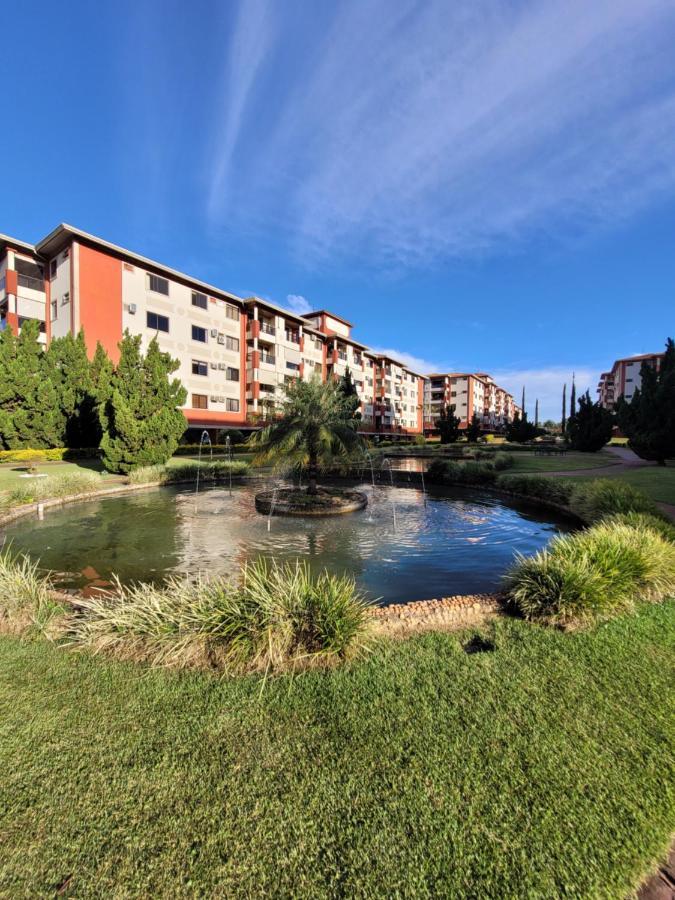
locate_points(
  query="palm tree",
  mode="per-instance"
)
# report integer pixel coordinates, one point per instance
(316, 423)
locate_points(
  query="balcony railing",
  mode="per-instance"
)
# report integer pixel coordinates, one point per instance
(293, 337)
(342, 356)
(27, 281)
(268, 358)
(267, 329)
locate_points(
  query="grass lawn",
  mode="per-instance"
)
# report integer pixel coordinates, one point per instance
(528, 462)
(543, 769)
(654, 481)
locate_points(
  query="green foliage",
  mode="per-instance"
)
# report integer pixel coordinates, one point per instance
(55, 454)
(316, 425)
(593, 574)
(640, 520)
(596, 498)
(590, 428)
(29, 409)
(448, 424)
(26, 604)
(277, 618)
(520, 430)
(142, 419)
(235, 436)
(473, 432)
(649, 419)
(53, 486)
(419, 440)
(69, 370)
(551, 489)
(446, 471)
(218, 470)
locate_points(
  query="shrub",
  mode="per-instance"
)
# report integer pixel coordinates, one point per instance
(277, 617)
(659, 524)
(26, 604)
(49, 488)
(420, 440)
(56, 454)
(594, 499)
(593, 574)
(538, 487)
(208, 471)
(502, 461)
(193, 449)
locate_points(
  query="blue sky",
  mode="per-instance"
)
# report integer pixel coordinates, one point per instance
(482, 185)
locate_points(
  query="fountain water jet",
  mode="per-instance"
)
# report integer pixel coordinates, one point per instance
(387, 462)
(205, 438)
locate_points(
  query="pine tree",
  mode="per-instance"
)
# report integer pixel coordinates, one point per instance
(92, 414)
(350, 394)
(29, 411)
(590, 428)
(142, 421)
(473, 431)
(448, 424)
(649, 419)
(69, 370)
(563, 422)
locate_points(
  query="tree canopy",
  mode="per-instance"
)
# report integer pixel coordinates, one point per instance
(590, 427)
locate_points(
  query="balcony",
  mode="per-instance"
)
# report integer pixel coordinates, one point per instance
(27, 281)
(268, 358)
(342, 355)
(293, 337)
(266, 328)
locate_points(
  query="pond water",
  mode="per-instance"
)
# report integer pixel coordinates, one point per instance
(456, 542)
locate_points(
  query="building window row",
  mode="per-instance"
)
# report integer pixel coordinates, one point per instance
(201, 401)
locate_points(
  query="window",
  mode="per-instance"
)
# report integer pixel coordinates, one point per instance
(200, 401)
(232, 405)
(55, 309)
(65, 299)
(293, 366)
(232, 312)
(199, 367)
(232, 343)
(157, 322)
(199, 334)
(232, 374)
(52, 269)
(200, 300)
(158, 285)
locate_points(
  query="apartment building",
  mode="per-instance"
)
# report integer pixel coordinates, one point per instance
(469, 393)
(624, 378)
(235, 353)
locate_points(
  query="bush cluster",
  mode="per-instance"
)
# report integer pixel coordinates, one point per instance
(552, 490)
(595, 573)
(597, 498)
(481, 471)
(208, 471)
(193, 449)
(55, 454)
(276, 618)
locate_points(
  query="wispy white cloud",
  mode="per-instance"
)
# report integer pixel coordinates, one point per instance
(416, 363)
(546, 385)
(418, 131)
(298, 304)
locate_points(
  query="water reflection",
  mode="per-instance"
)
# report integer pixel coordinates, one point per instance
(460, 542)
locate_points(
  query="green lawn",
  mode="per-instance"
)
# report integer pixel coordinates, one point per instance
(528, 462)
(542, 769)
(655, 481)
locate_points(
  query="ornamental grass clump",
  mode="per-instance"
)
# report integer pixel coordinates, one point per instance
(217, 470)
(595, 499)
(275, 618)
(26, 603)
(52, 487)
(538, 487)
(593, 574)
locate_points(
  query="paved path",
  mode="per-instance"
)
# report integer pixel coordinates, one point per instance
(625, 459)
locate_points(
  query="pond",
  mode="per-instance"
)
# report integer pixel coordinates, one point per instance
(454, 541)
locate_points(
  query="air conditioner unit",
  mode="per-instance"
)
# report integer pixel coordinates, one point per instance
(132, 309)
(214, 399)
(214, 365)
(222, 366)
(214, 332)
(221, 338)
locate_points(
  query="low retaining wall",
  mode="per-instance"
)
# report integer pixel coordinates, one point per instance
(458, 611)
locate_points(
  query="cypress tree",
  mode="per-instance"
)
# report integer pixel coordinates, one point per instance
(536, 413)
(29, 410)
(69, 370)
(590, 428)
(649, 419)
(522, 404)
(473, 431)
(142, 422)
(563, 422)
(573, 398)
(448, 424)
(350, 394)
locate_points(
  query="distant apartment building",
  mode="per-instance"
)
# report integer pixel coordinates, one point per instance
(235, 354)
(624, 378)
(469, 393)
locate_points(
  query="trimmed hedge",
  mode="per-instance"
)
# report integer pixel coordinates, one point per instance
(193, 449)
(482, 471)
(218, 470)
(56, 454)
(537, 487)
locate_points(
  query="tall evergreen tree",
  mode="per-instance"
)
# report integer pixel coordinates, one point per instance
(590, 428)
(520, 431)
(69, 370)
(649, 419)
(29, 409)
(350, 394)
(563, 422)
(522, 404)
(142, 421)
(473, 431)
(536, 413)
(573, 398)
(92, 413)
(448, 424)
